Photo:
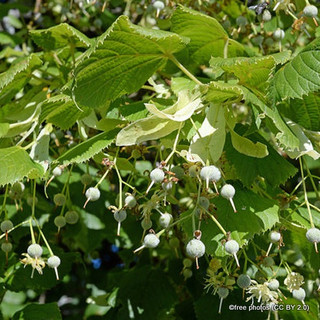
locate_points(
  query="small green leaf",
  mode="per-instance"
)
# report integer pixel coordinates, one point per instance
(35, 311)
(212, 136)
(61, 111)
(17, 76)
(16, 164)
(87, 149)
(299, 77)
(146, 129)
(60, 36)
(207, 37)
(219, 92)
(126, 56)
(4, 127)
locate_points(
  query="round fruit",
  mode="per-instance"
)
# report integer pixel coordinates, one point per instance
(244, 281)
(241, 21)
(159, 5)
(232, 246)
(273, 284)
(59, 199)
(93, 194)
(86, 179)
(30, 201)
(299, 294)
(157, 175)
(223, 292)
(195, 248)
(187, 273)
(310, 11)
(6, 247)
(60, 221)
(274, 236)
(34, 250)
(266, 15)
(204, 202)
(151, 241)
(313, 235)
(72, 217)
(268, 262)
(228, 191)
(167, 186)
(6, 225)
(279, 34)
(178, 171)
(193, 171)
(187, 263)
(146, 224)
(165, 219)
(210, 173)
(130, 201)
(57, 171)
(54, 262)
(16, 190)
(120, 215)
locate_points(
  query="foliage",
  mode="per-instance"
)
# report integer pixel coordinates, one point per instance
(116, 112)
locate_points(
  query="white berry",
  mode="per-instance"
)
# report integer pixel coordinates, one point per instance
(57, 171)
(210, 173)
(228, 192)
(157, 175)
(310, 11)
(165, 219)
(266, 16)
(93, 194)
(299, 294)
(273, 284)
(35, 250)
(313, 235)
(195, 248)
(274, 236)
(232, 246)
(130, 201)
(223, 292)
(159, 5)
(151, 241)
(120, 215)
(54, 262)
(279, 34)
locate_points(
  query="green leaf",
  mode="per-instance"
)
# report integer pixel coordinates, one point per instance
(87, 149)
(61, 111)
(249, 168)
(219, 92)
(109, 124)
(60, 36)
(252, 72)
(145, 129)
(35, 311)
(17, 76)
(4, 127)
(125, 57)
(207, 36)
(305, 112)
(281, 57)
(298, 77)
(16, 164)
(212, 136)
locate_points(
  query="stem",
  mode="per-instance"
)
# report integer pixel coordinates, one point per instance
(44, 239)
(312, 181)
(184, 70)
(104, 175)
(175, 144)
(15, 227)
(33, 199)
(215, 221)
(120, 185)
(305, 194)
(33, 239)
(4, 202)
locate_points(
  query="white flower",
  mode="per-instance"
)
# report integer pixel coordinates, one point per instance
(262, 293)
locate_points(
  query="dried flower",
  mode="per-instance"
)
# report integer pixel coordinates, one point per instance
(36, 263)
(294, 281)
(261, 292)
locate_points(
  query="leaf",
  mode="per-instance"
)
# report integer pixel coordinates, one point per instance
(87, 149)
(125, 58)
(16, 164)
(4, 127)
(248, 168)
(60, 36)
(17, 76)
(219, 92)
(182, 110)
(109, 124)
(305, 112)
(285, 136)
(207, 36)
(281, 57)
(298, 77)
(252, 72)
(212, 136)
(150, 128)
(35, 311)
(61, 111)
